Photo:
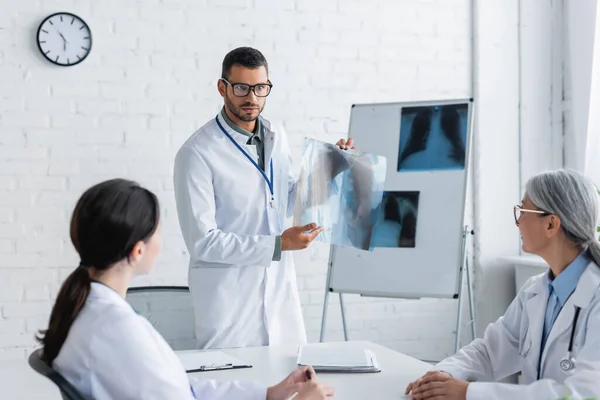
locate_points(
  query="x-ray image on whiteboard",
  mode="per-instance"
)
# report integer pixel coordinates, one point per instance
(396, 225)
(433, 137)
(340, 190)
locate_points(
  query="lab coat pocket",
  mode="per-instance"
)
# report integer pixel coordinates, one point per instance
(524, 339)
(215, 291)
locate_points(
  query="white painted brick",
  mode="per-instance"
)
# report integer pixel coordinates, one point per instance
(73, 121)
(271, 5)
(11, 293)
(34, 325)
(147, 138)
(68, 151)
(319, 36)
(49, 105)
(12, 137)
(146, 107)
(9, 105)
(37, 183)
(317, 6)
(17, 260)
(24, 120)
(7, 183)
(13, 353)
(63, 168)
(90, 171)
(7, 246)
(168, 61)
(24, 277)
(337, 52)
(20, 153)
(34, 215)
(104, 136)
(151, 169)
(169, 91)
(88, 91)
(12, 74)
(358, 7)
(17, 339)
(230, 3)
(55, 198)
(41, 245)
(110, 154)
(78, 184)
(16, 198)
(265, 37)
(183, 108)
(118, 42)
(37, 293)
(111, 91)
(25, 310)
(38, 138)
(123, 124)
(12, 325)
(98, 107)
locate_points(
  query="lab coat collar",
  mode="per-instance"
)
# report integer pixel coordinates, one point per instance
(100, 291)
(587, 286)
(566, 282)
(240, 138)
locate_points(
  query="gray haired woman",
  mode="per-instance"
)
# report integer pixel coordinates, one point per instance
(551, 331)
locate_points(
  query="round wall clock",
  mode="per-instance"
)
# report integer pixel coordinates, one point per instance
(64, 39)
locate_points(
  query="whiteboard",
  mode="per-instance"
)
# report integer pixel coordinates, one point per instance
(432, 267)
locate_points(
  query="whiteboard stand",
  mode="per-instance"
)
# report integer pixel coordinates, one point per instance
(464, 272)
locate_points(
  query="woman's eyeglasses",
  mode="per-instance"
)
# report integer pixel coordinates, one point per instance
(519, 210)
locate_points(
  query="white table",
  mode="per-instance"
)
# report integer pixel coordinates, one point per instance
(271, 364)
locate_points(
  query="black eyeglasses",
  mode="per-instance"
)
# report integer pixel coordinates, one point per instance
(243, 89)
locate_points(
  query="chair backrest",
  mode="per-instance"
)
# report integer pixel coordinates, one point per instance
(170, 310)
(67, 390)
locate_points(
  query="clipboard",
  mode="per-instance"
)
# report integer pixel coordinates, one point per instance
(326, 358)
(204, 361)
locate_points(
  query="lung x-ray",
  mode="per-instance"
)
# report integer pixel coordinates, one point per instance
(340, 190)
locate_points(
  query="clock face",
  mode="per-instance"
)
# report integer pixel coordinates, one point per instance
(64, 39)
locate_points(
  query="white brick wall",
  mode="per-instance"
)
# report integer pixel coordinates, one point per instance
(151, 80)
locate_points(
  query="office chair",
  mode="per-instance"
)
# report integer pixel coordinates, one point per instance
(67, 390)
(169, 309)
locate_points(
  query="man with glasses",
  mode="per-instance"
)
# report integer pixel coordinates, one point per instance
(234, 192)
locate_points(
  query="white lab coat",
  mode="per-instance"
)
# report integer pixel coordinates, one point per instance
(111, 352)
(241, 297)
(512, 344)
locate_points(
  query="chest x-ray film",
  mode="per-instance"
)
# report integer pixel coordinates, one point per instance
(433, 137)
(340, 190)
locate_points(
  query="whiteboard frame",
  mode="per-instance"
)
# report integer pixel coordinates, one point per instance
(459, 262)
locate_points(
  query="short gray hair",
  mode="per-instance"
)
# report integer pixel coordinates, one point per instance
(574, 199)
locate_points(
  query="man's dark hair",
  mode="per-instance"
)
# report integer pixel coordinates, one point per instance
(246, 57)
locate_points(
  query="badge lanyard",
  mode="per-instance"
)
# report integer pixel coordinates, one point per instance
(269, 182)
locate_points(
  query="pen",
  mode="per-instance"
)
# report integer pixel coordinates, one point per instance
(308, 377)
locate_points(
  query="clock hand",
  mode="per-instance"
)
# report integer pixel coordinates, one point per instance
(64, 41)
(63, 38)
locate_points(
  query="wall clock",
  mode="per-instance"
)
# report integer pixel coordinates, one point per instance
(64, 39)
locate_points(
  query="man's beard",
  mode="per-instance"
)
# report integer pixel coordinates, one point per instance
(239, 113)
